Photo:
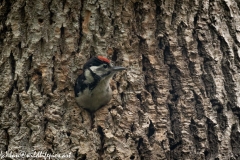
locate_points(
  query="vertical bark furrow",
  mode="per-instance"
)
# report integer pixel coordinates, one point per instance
(221, 117)
(175, 142)
(228, 73)
(199, 106)
(198, 140)
(235, 143)
(212, 151)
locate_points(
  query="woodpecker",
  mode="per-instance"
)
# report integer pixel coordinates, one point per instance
(92, 87)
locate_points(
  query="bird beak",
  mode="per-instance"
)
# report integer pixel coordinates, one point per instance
(118, 68)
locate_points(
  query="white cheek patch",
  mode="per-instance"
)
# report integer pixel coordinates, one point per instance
(88, 76)
(97, 70)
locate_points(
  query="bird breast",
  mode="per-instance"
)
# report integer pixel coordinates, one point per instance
(96, 98)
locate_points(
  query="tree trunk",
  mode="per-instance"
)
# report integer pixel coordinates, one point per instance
(179, 98)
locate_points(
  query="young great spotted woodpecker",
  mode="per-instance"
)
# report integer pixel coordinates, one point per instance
(92, 87)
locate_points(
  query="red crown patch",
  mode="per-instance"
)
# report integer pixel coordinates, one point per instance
(104, 59)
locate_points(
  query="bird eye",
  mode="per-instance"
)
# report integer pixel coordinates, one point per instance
(105, 66)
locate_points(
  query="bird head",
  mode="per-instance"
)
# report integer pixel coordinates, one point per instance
(101, 67)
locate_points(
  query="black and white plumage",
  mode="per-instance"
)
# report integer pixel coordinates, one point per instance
(92, 89)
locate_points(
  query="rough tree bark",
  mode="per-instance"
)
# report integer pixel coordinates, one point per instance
(179, 98)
